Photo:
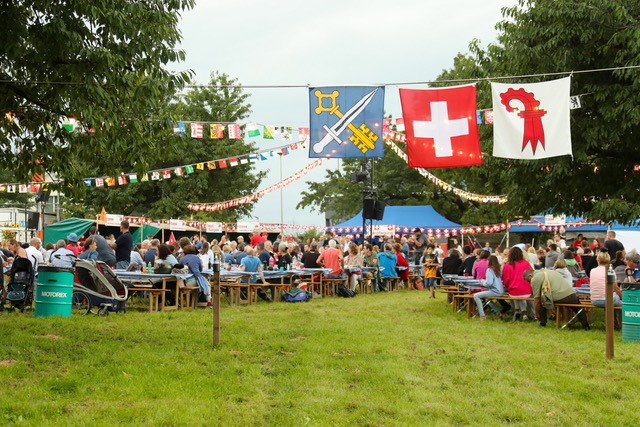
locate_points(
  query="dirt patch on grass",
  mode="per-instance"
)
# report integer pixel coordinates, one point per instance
(7, 363)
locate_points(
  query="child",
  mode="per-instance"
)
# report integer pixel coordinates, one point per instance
(430, 263)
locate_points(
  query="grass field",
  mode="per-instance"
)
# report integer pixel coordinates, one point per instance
(388, 359)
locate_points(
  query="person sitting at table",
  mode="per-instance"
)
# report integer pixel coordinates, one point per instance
(494, 285)
(136, 263)
(73, 245)
(165, 261)
(284, 260)
(466, 268)
(310, 258)
(451, 263)
(332, 258)
(252, 264)
(370, 259)
(572, 264)
(430, 262)
(242, 252)
(561, 268)
(264, 256)
(512, 277)
(149, 256)
(598, 282)
(387, 260)
(561, 293)
(353, 263)
(61, 257)
(401, 261)
(206, 256)
(90, 252)
(192, 261)
(479, 270)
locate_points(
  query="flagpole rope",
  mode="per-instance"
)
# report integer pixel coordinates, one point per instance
(307, 85)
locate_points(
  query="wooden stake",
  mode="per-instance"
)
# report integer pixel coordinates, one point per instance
(609, 324)
(216, 305)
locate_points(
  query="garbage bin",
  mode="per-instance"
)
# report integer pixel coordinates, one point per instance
(54, 291)
(631, 312)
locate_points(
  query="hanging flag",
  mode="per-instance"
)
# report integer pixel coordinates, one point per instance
(103, 215)
(34, 188)
(111, 181)
(188, 169)
(252, 130)
(346, 121)
(222, 164)
(244, 160)
(285, 133)
(303, 134)
(200, 166)
(144, 177)
(178, 171)
(122, 180)
(386, 126)
(532, 119)
(133, 178)
(99, 182)
(211, 165)
(253, 157)
(155, 176)
(262, 157)
(400, 124)
(23, 188)
(234, 131)
(284, 151)
(268, 133)
(166, 174)
(11, 188)
(172, 239)
(575, 102)
(488, 117)
(479, 117)
(233, 162)
(217, 131)
(182, 128)
(441, 127)
(87, 182)
(196, 130)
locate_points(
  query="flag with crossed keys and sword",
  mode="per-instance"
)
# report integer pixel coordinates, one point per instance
(346, 121)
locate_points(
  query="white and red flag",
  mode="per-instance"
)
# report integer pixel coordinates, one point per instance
(441, 127)
(531, 121)
(196, 130)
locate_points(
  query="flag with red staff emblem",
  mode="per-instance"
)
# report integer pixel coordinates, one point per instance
(441, 127)
(531, 121)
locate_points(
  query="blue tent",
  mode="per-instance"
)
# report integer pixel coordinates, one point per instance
(405, 216)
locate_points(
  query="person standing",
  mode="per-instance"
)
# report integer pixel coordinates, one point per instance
(105, 251)
(518, 287)
(417, 244)
(123, 246)
(613, 245)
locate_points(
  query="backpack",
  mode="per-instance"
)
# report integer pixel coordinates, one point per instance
(296, 295)
(343, 291)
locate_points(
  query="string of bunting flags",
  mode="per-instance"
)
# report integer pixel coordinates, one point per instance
(391, 136)
(212, 207)
(236, 131)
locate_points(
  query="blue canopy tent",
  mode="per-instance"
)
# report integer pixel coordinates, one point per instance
(404, 216)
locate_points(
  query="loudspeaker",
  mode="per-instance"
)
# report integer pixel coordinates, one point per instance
(43, 195)
(368, 208)
(33, 220)
(378, 211)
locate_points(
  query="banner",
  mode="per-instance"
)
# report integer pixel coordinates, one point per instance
(213, 227)
(441, 127)
(177, 225)
(113, 220)
(346, 121)
(531, 121)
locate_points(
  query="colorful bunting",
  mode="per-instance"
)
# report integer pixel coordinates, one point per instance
(234, 131)
(196, 130)
(217, 131)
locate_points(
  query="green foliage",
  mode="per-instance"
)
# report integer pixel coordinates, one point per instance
(224, 103)
(398, 358)
(99, 61)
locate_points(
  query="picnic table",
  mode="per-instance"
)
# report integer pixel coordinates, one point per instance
(137, 281)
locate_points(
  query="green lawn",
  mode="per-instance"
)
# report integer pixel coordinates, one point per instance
(388, 359)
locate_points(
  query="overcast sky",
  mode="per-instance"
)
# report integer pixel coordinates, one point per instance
(325, 43)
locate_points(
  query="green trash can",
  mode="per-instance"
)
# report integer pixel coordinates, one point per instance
(54, 291)
(631, 312)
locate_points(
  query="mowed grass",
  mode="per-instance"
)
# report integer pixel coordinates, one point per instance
(388, 359)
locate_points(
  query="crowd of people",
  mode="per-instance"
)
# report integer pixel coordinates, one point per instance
(514, 270)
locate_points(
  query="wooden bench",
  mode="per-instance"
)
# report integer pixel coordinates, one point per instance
(365, 285)
(154, 295)
(188, 296)
(584, 305)
(460, 298)
(329, 285)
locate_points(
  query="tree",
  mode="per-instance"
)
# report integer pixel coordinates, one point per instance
(97, 61)
(222, 101)
(601, 180)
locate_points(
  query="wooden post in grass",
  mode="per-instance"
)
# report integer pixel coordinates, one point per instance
(608, 312)
(216, 300)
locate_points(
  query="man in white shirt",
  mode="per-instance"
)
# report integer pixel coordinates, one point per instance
(34, 254)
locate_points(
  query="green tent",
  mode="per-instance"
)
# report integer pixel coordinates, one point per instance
(60, 230)
(149, 230)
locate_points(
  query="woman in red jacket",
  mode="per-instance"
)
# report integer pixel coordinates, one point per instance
(517, 287)
(401, 262)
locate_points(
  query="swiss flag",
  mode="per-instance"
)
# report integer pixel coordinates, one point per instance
(441, 127)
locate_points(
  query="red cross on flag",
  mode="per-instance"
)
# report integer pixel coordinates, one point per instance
(441, 127)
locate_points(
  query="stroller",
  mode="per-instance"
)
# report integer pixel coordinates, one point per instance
(97, 290)
(20, 287)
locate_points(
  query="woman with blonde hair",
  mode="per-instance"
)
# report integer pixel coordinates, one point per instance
(598, 282)
(354, 261)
